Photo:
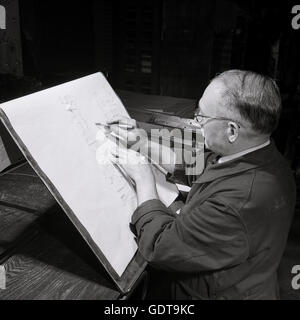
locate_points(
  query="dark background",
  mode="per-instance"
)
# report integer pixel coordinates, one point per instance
(166, 47)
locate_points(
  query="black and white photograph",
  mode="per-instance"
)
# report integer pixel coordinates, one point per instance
(149, 152)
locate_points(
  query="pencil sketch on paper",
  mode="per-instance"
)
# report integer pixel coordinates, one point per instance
(57, 128)
(99, 144)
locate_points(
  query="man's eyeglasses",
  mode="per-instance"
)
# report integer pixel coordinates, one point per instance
(200, 118)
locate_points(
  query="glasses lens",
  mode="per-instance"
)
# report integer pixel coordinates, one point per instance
(199, 118)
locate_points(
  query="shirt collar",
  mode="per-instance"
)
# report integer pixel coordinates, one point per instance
(248, 161)
(242, 153)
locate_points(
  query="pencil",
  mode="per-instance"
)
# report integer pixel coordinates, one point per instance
(121, 125)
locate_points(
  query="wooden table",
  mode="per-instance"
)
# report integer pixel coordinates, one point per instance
(43, 254)
(180, 107)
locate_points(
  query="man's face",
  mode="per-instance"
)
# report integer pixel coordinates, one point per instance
(214, 131)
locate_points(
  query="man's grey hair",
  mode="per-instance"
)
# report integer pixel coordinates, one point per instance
(256, 97)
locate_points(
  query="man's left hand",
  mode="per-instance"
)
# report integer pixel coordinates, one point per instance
(139, 169)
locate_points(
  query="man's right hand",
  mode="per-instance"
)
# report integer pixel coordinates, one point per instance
(137, 139)
(127, 130)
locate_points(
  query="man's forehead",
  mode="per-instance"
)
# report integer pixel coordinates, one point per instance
(201, 106)
(209, 98)
(215, 88)
(212, 98)
(205, 108)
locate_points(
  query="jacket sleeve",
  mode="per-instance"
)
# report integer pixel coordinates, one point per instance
(208, 237)
(180, 173)
(178, 176)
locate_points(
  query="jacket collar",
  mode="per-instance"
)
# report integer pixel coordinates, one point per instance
(252, 160)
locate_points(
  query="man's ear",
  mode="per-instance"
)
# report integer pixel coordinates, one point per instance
(232, 132)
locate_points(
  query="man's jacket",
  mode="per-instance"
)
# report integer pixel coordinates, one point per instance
(228, 240)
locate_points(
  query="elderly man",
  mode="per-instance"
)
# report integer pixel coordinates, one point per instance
(230, 235)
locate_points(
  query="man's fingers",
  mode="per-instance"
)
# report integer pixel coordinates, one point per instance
(120, 119)
(122, 132)
(123, 155)
(119, 154)
(124, 121)
(130, 136)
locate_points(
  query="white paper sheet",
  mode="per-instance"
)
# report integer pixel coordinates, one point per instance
(57, 126)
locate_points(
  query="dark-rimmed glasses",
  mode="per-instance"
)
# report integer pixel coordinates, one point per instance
(199, 118)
